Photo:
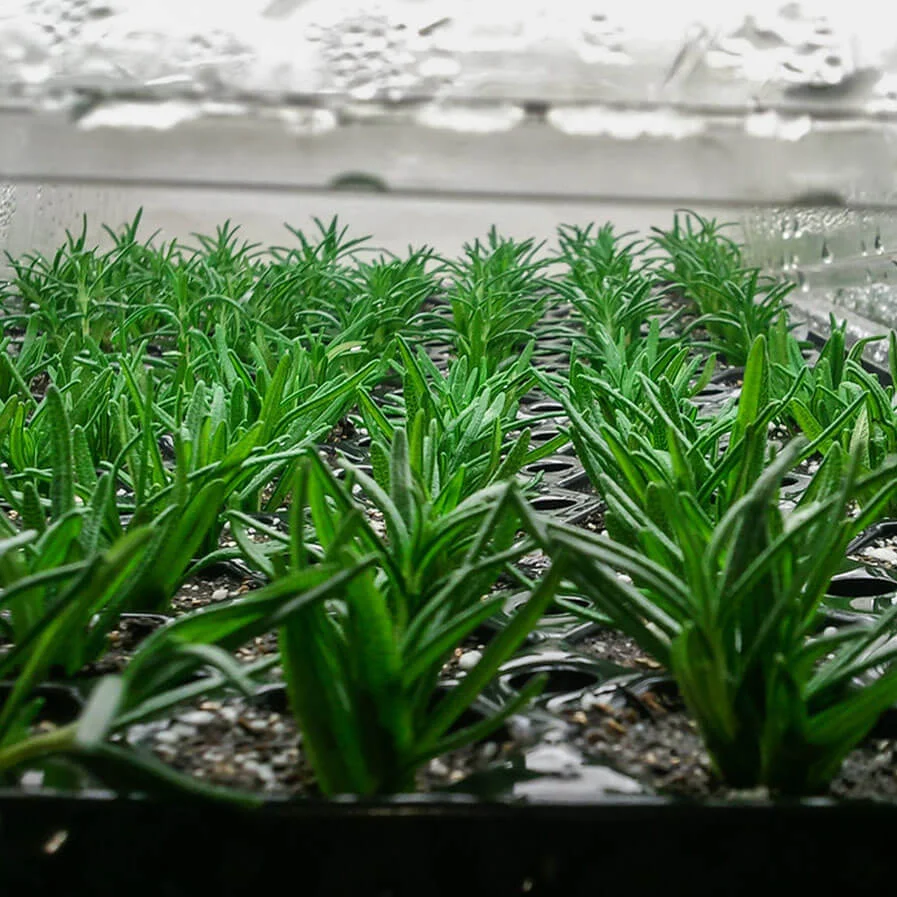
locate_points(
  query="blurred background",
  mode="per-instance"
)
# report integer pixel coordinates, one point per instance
(428, 121)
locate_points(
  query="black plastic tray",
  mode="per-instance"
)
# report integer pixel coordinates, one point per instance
(564, 837)
(417, 846)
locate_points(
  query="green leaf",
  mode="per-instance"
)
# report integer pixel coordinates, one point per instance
(754, 390)
(62, 485)
(498, 651)
(99, 715)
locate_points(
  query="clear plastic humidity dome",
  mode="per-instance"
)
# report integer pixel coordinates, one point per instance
(440, 118)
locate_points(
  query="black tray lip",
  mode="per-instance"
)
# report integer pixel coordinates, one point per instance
(455, 805)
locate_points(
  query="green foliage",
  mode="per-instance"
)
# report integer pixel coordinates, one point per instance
(837, 399)
(457, 426)
(633, 448)
(151, 393)
(498, 294)
(59, 596)
(613, 296)
(736, 622)
(362, 661)
(735, 304)
(595, 256)
(614, 374)
(699, 256)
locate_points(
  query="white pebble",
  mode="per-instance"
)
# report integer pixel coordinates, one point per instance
(469, 659)
(219, 595)
(197, 717)
(32, 779)
(167, 737)
(255, 725)
(282, 760)
(885, 555)
(438, 768)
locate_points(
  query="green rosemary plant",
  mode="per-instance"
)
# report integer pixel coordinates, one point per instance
(498, 293)
(362, 670)
(458, 425)
(737, 623)
(734, 303)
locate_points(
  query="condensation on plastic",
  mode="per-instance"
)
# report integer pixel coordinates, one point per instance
(843, 262)
(791, 106)
(698, 51)
(707, 76)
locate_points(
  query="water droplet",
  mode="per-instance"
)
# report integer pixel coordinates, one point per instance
(155, 116)
(623, 124)
(826, 254)
(879, 248)
(802, 282)
(439, 67)
(863, 249)
(474, 119)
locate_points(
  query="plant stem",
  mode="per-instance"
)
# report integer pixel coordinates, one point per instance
(37, 746)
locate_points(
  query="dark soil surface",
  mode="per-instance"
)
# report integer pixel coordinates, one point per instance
(254, 745)
(595, 523)
(609, 644)
(656, 741)
(881, 553)
(199, 591)
(124, 641)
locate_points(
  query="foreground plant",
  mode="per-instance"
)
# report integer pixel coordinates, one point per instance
(60, 594)
(362, 662)
(737, 623)
(87, 745)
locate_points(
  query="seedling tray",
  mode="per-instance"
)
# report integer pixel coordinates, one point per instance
(98, 845)
(563, 827)
(545, 822)
(544, 819)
